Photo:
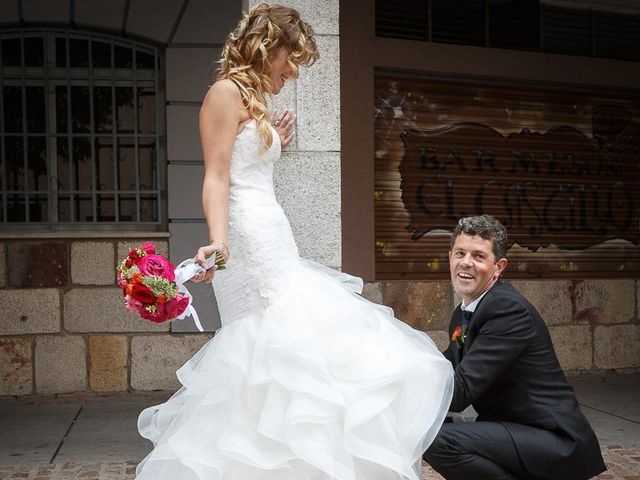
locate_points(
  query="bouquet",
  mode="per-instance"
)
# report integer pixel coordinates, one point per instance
(154, 288)
(148, 285)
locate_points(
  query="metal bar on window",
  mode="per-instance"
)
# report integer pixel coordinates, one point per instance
(52, 163)
(92, 130)
(157, 159)
(135, 131)
(70, 143)
(25, 145)
(114, 138)
(3, 157)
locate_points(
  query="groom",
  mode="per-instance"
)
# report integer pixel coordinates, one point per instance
(529, 424)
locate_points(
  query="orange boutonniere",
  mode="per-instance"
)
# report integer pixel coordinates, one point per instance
(457, 336)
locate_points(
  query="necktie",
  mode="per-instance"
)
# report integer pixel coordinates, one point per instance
(466, 317)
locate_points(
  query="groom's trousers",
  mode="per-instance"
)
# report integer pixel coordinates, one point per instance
(476, 450)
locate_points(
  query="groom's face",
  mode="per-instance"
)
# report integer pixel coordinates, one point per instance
(474, 267)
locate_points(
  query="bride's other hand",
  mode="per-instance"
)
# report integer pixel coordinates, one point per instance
(201, 256)
(283, 122)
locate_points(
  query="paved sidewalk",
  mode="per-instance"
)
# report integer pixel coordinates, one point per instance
(95, 438)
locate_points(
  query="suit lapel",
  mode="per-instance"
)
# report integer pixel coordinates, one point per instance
(477, 314)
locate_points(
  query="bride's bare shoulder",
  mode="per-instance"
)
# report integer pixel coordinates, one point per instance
(224, 96)
(223, 91)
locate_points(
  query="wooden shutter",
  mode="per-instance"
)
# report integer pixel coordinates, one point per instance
(557, 165)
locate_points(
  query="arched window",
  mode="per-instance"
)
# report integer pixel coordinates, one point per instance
(81, 125)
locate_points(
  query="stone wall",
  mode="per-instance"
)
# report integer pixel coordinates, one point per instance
(64, 327)
(594, 324)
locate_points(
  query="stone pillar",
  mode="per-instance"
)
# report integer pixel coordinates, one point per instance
(308, 176)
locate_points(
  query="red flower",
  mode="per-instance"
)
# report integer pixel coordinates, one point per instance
(128, 263)
(156, 315)
(157, 265)
(457, 336)
(175, 307)
(142, 293)
(133, 255)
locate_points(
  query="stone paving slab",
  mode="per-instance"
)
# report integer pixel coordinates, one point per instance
(105, 432)
(32, 433)
(615, 394)
(622, 463)
(97, 438)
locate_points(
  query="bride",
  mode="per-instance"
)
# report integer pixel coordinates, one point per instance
(306, 380)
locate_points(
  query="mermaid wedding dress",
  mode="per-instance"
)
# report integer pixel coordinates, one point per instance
(306, 380)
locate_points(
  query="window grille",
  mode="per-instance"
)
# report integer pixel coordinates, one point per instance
(80, 131)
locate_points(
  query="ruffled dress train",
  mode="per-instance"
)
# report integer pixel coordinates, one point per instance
(305, 380)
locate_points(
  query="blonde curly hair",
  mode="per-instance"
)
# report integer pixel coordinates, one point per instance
(245, 58)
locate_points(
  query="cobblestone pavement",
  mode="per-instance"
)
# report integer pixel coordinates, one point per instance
(623, 464)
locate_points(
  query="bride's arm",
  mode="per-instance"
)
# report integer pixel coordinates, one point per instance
(220, 116)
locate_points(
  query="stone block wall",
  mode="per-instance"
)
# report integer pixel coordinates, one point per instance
(594, 324)
(64, 328)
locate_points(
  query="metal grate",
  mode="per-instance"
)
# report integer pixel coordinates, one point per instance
(407, 19)
(512, 24)
(79, 131)
(461, 22)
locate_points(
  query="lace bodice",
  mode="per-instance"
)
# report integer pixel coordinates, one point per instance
(261, 245)
(251, 170)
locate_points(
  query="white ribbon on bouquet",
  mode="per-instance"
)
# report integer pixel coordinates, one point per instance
(186, 270)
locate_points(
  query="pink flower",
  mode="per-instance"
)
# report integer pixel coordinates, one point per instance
(176, 306)
(157, 265)
(148, 247)
(121, 280)
(132, 304)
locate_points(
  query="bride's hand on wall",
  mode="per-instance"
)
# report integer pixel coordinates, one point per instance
(283, 122)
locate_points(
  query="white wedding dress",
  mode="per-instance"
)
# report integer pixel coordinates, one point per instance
(306, 380)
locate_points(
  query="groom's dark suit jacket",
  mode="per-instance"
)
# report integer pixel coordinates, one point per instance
(508, 369)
